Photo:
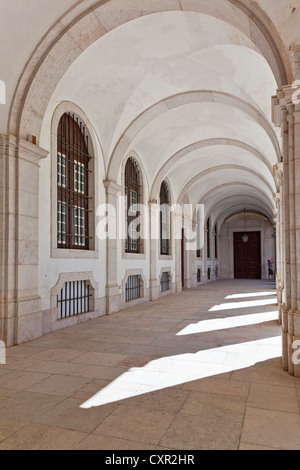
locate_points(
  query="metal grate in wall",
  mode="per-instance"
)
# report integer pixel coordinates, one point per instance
(217, 272)
(133, 288)
(165, 282)
(73, 299)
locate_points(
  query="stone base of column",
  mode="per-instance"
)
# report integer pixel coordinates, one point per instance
(7, 328)
(295, 345)
(188, 283)
(291, 342)
(285, 339)
(23, 320)
(178, 284)
(154, 290)
(114, 299)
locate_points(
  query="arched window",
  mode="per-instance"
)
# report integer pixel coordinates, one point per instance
(73, 201)
(208, 237)
(164, 219)
(198, 231)
(216, 241)
(133, 194)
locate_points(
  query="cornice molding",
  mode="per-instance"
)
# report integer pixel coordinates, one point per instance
(16, 147)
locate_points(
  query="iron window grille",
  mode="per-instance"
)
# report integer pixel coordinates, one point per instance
(74, 299)
(133, 288)
(164, 219)
(133, 194)
(216, 272)
(165, 282)
(73, 201)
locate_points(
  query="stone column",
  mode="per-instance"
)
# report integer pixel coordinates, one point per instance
(189, 252)
(113, 295)
(286, 114)
(178, 225)
(154, 214)
(21, 318)
(193, 257)
(278, 198)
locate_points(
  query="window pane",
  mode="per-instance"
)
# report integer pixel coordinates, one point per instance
(62, 223)
(79, 177)
(61, 170)
(79, 226)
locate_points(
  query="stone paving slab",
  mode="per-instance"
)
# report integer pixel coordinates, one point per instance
(186, 372)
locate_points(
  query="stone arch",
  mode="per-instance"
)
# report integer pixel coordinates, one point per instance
(49, 60)
(178, 100)
(218, 168)
(230, 207)
(181, 154)
(213, 204)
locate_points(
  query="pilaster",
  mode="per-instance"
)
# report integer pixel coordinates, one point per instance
(154, 212)
(286, 114)
(113, 295)
(20, 304)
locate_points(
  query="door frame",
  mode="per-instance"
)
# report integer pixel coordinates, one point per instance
(259, 228)
(235, 232)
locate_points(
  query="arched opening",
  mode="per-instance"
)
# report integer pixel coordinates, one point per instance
(133, 195)
(73, 196)
(165, 233)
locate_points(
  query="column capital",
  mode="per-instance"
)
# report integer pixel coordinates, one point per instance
(153, 202)
(287, 100)
(276, 198)
(112, 187)
(278, 173)
(17, 147)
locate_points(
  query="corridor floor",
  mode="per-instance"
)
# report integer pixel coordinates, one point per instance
(197, 370)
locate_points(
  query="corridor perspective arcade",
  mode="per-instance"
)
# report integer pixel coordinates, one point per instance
(149, 161)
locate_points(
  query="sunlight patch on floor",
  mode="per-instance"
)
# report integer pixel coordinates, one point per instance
(244, 296)
(176, 370)
(229, 322)
(249, 303)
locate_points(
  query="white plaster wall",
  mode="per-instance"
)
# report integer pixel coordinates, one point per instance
(23, 23)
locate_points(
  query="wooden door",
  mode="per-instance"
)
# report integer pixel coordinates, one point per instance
(247, 256)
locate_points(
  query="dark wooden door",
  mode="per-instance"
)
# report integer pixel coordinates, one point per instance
(247, 256)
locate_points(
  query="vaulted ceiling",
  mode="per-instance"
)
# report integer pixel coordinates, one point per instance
(187, 92)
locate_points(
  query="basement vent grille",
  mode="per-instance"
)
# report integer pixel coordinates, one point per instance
(73, 299)
(133, 288)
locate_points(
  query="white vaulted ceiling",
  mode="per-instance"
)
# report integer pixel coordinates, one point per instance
(191, 96)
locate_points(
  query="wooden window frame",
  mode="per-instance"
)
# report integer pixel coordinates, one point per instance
(133, 187)
(208, 239)
(164, 198)
(72, 144)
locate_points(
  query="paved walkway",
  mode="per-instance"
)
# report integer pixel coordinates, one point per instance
(198, 370)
